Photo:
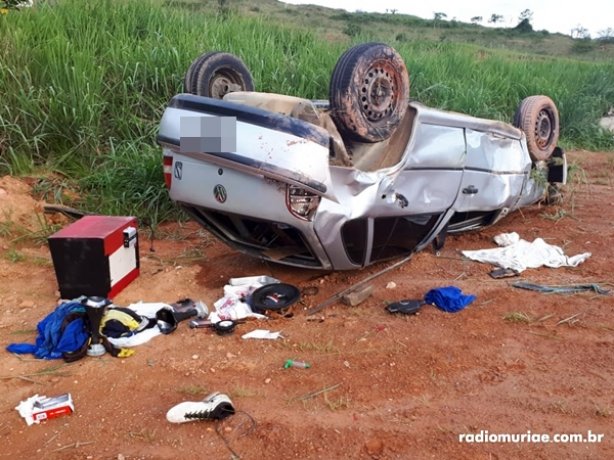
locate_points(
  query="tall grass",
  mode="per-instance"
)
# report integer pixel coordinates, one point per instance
(83, 85)
(491, 84)
(78, 75)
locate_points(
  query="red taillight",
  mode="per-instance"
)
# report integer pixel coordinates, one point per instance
(168, 170)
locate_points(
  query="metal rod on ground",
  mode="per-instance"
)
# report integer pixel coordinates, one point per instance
(340, 294)
(66, 210)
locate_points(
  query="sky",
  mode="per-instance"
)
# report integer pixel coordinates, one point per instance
(552, 15)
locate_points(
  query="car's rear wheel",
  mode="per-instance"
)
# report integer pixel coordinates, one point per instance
(216, 74)
(369, 92)
(538, 117)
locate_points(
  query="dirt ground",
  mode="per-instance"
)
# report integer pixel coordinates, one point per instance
(381, 386)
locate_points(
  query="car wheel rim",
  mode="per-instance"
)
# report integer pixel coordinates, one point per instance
(543, 129)
(222, 84)
(378, 95)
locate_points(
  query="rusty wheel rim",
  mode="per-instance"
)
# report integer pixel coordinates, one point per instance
(378, 95)
(543, 129)
(223, 83)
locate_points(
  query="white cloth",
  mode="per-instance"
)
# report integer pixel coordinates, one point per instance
(521, 254)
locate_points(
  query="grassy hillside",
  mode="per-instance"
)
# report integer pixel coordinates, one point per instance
(338, 25)
(84, 83)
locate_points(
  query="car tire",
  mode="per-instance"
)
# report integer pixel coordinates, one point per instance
(369, 92)
(189, 77)
(216, 74)
(538, 117)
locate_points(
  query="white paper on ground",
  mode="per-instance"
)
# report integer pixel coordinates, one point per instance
(521, 255)
(262, 334)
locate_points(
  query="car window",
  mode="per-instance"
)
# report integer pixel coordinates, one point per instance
(396, 236)
(354, 237)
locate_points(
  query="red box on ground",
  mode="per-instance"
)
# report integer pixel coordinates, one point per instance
(45, 408)
(95, 256)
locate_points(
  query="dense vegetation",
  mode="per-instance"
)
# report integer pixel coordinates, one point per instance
(84, 85)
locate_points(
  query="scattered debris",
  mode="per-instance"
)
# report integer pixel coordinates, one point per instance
(406, 307)
(262, 334)
(61, 331)
(358, 296)
(449, 299)
(499, 273)
(561, 288)
(274, 297)
(338, 295)
(236, 303)
(248, 280)
(225, 327)
(570, 320)
(91, 326)
(37, 408)
(296, 363)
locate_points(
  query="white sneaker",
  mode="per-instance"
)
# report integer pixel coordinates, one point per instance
(216, 406)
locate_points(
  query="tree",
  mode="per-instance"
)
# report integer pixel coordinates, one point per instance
(580, 32)
(606, 35)
(437, 17)
(524, 26)
(477, 19)
(526, 14)
(494, 18)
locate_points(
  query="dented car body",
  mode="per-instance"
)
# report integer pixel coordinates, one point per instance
(272, 176)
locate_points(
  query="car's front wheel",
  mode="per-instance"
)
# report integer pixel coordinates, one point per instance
(538, 117)
(216, 74)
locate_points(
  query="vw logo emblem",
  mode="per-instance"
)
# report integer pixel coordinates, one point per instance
(219, 192)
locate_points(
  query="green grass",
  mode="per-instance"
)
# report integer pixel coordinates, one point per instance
(85, 83)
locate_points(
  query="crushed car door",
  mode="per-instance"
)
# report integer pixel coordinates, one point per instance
(497, 167)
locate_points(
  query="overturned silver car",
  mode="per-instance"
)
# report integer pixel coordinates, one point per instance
(340, 184)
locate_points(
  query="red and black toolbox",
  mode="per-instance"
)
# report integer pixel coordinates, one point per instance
(95, 256)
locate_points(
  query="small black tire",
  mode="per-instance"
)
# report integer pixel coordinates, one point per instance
(538, 117)
(369, 92)
(216, 74)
